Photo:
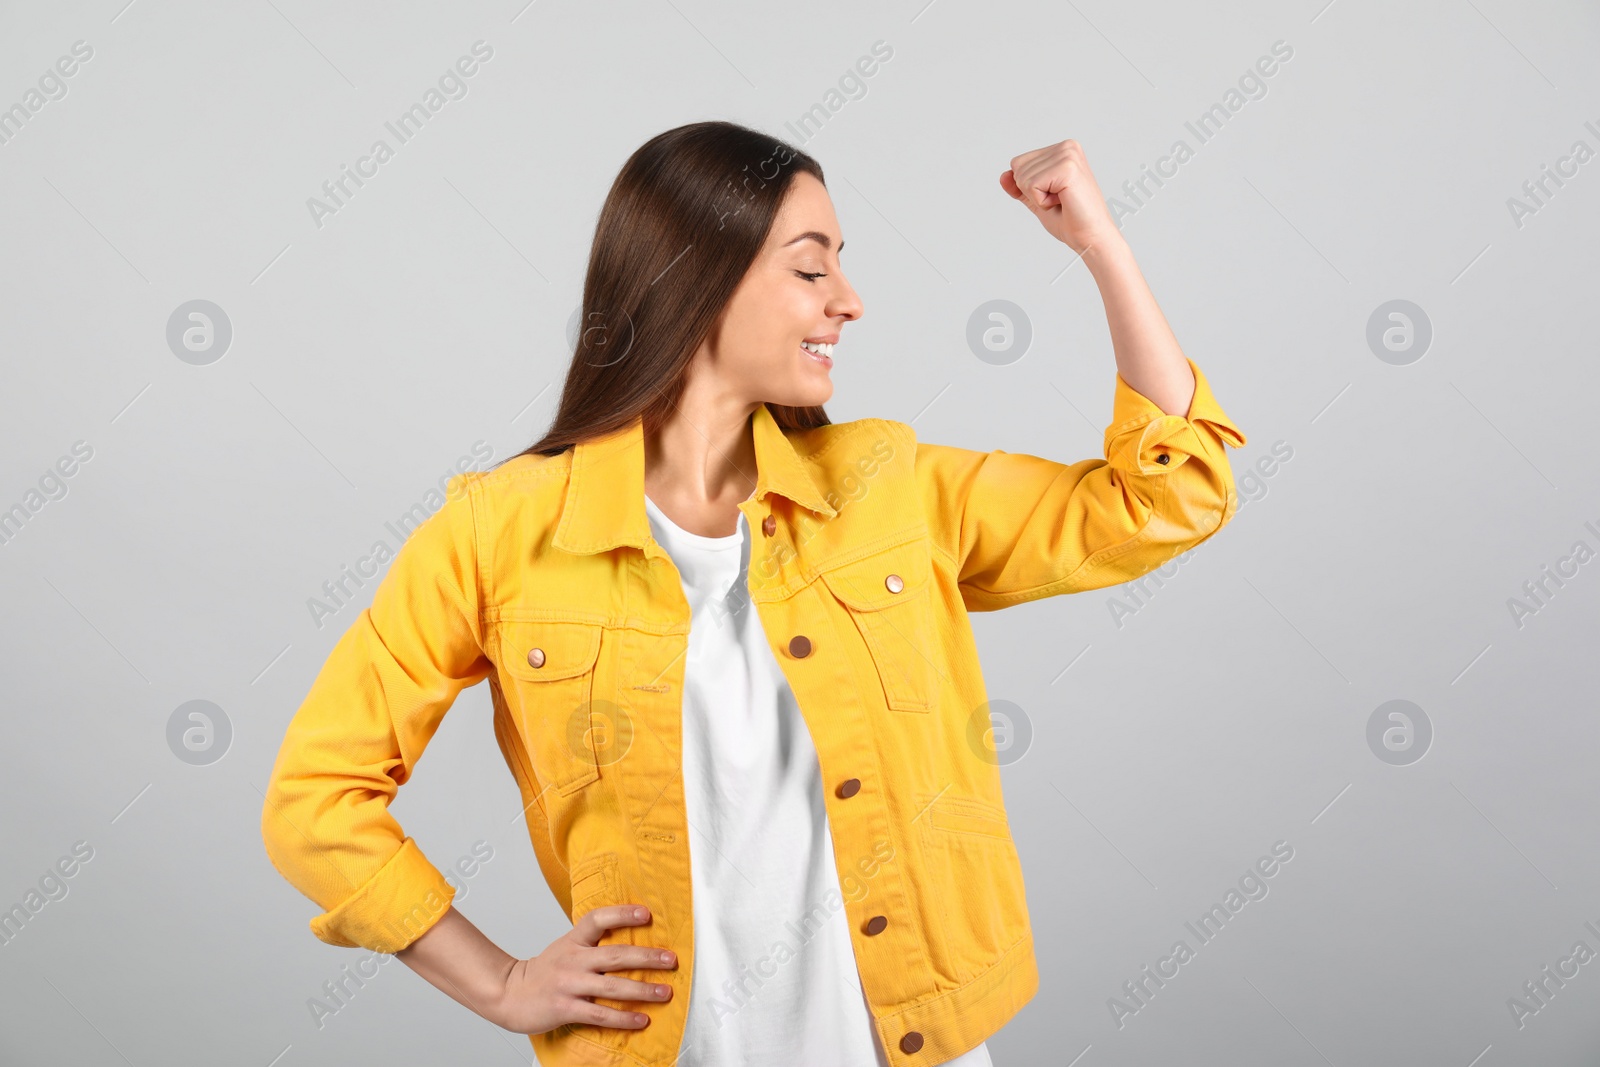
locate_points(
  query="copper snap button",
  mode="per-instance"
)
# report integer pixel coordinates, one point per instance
(769, 525)
(876, 924)
(894, 583)
(911, 1042)
(849, 788)
(800, 646)
(536, 657)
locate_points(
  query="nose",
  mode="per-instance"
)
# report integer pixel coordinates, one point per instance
(844, 303)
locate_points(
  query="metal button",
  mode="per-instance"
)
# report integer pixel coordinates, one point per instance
(876, 924)
(769, 525)
(1161, 458)
(800, 646)
(912, 1041)
(849, 788)
(536, 657)
(894, 583)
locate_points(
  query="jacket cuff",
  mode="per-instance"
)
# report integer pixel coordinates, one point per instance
(397, 905)
(1141, 434)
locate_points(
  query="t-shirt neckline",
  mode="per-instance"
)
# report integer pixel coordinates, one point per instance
(729, 542)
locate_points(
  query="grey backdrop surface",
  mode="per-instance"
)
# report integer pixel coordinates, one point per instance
(1399, 503)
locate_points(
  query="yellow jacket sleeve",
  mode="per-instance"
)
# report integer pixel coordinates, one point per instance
(1020, 527)
(356, 738)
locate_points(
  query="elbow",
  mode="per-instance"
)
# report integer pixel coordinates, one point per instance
(1207, 504)
(278, 835)
(289, 826)
(1188, 506)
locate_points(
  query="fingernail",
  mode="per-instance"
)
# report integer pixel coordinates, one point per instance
(638, 913)
(666, 957)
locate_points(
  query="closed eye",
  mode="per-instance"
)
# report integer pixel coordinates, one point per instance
(810, 276)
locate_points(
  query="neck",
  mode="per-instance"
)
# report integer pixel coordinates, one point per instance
(703, 456)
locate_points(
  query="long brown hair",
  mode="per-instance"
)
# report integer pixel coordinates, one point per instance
(685, 219)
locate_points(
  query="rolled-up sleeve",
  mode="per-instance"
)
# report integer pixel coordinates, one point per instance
(356, 738)
(1021, 527)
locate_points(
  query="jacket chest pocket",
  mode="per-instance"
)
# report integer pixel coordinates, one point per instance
(889, 598)
(550, 670)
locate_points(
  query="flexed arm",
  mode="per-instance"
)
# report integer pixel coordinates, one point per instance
(1021, 527)
(1056, 185)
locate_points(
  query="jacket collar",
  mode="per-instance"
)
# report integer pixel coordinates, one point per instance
(604, 504)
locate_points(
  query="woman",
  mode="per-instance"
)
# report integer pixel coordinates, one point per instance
(728, 648)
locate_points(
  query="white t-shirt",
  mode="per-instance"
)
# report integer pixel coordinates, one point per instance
(770, 984)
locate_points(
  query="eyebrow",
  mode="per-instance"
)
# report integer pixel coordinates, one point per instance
(821, 238)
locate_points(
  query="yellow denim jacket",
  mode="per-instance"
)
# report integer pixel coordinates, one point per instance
(871, 548)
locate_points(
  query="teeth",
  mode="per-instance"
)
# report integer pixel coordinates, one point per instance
(820, 349)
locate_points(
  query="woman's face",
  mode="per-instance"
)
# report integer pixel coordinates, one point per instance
(795, 291)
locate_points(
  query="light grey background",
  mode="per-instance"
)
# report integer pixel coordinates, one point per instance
(1168, 753)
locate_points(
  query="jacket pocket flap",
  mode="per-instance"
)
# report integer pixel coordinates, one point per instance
(561, 649)
(594, 883)
(883, 579)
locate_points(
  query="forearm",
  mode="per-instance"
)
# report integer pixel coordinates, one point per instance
(456, 957)
(1148, 356)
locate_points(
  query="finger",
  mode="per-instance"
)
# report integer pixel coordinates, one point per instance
(592, 925)
(625, 957)
(613, 988)
(1008, 182)
(1043, 186)
(1024, 176)
(587, 1011)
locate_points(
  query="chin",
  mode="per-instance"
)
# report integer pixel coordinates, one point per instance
(801, 394)
(812, 396)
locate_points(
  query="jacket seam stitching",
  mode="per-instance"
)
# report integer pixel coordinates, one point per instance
(478, 574)
(628, 1056)
(1002, 966)
(1103, 555)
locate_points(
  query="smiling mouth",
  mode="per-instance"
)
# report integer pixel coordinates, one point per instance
(818, 357)
(823, 353)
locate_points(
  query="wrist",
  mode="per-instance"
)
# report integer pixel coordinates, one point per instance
(1108, 248)
(494, 992)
